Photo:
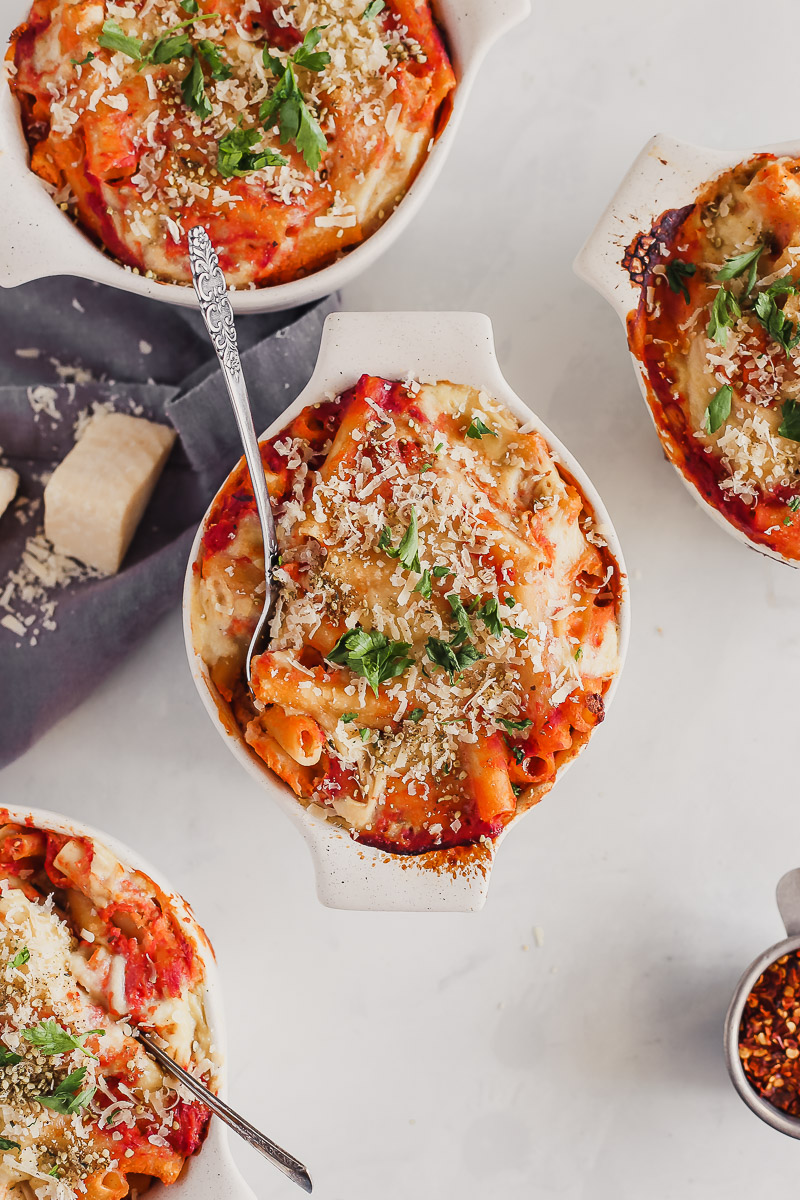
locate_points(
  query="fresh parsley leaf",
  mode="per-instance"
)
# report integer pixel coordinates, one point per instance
(416, 714)
(785, 286)
(735, 266)
(347, 717)
(424, 584)
(66, 1099)
(724, 311)
(517, 633)
(514, 726)
(7, 1057)
(175, 44)
(440, 572)
(82, 63)
(719, 409)
(5, 1144)
(21, 957)
(52, 1038)
(235, 154)
(490, 615)
(462, 620)
(477, 429)
(193, 90)
(295, 120)
(372, 10)
(408, 550)
(189, 6)
(779, 327)
(371, 654)
(578, 655)
(307, 56)
(450, 658)
(216, 63)
(790, 425)
(509, 601)
(676, 272)
(518, 754)
(364, 734)
(113, 38)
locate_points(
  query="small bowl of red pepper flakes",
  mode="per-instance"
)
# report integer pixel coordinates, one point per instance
(762, 1028)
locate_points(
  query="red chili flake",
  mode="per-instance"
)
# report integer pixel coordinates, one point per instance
(769, 1045)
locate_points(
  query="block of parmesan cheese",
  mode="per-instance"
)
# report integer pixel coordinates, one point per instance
(9, 482)
(95, 498)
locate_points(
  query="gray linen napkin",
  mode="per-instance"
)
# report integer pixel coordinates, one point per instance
(66, 345)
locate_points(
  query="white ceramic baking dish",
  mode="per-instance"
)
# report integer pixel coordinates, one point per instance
(667, 174)
(38, 240)
(429, 347)
(211, 1173)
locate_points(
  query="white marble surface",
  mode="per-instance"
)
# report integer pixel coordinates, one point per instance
(449, 1056)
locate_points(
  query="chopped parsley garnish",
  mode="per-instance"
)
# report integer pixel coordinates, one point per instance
(424, 584)
(724, 311)
(477, 429)
(719, 409)
(441, 572)
(439, 446)
(790, 428)
(517, 633)
(364, 734)
(462, 620)
(113, 38)
(347, 717)
(7, 1057)
(189, 6)
(21, 957)
(175, 44)
(779, 327)
(66, 1099)
(5, 1144)
(372, 10)
(736, 266)
(82, 63)
(514, 726)
(450, 657)
(490, 615)
(216, 63)
(193, 90)
(509, 601)
(236, 156)
(416, 714)
(408, 550)
(578, 655)
(52, 1038)
(793, 504)
(296, 122)
(371, 654)
(676, 272)
(518, 754)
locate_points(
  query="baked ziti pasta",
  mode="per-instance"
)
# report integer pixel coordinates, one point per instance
(718, 332)
(446, 626)
(290, 131)
(88, 949)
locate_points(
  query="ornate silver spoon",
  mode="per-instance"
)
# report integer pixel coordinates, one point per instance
(283, 1161)
(212, 292)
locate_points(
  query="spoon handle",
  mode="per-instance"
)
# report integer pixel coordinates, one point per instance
(212, 292)
(283, 1161)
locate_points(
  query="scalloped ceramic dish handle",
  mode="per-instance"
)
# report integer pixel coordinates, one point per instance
(212, 1172)
(430, 347)
(37, 240)
(668, 173)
